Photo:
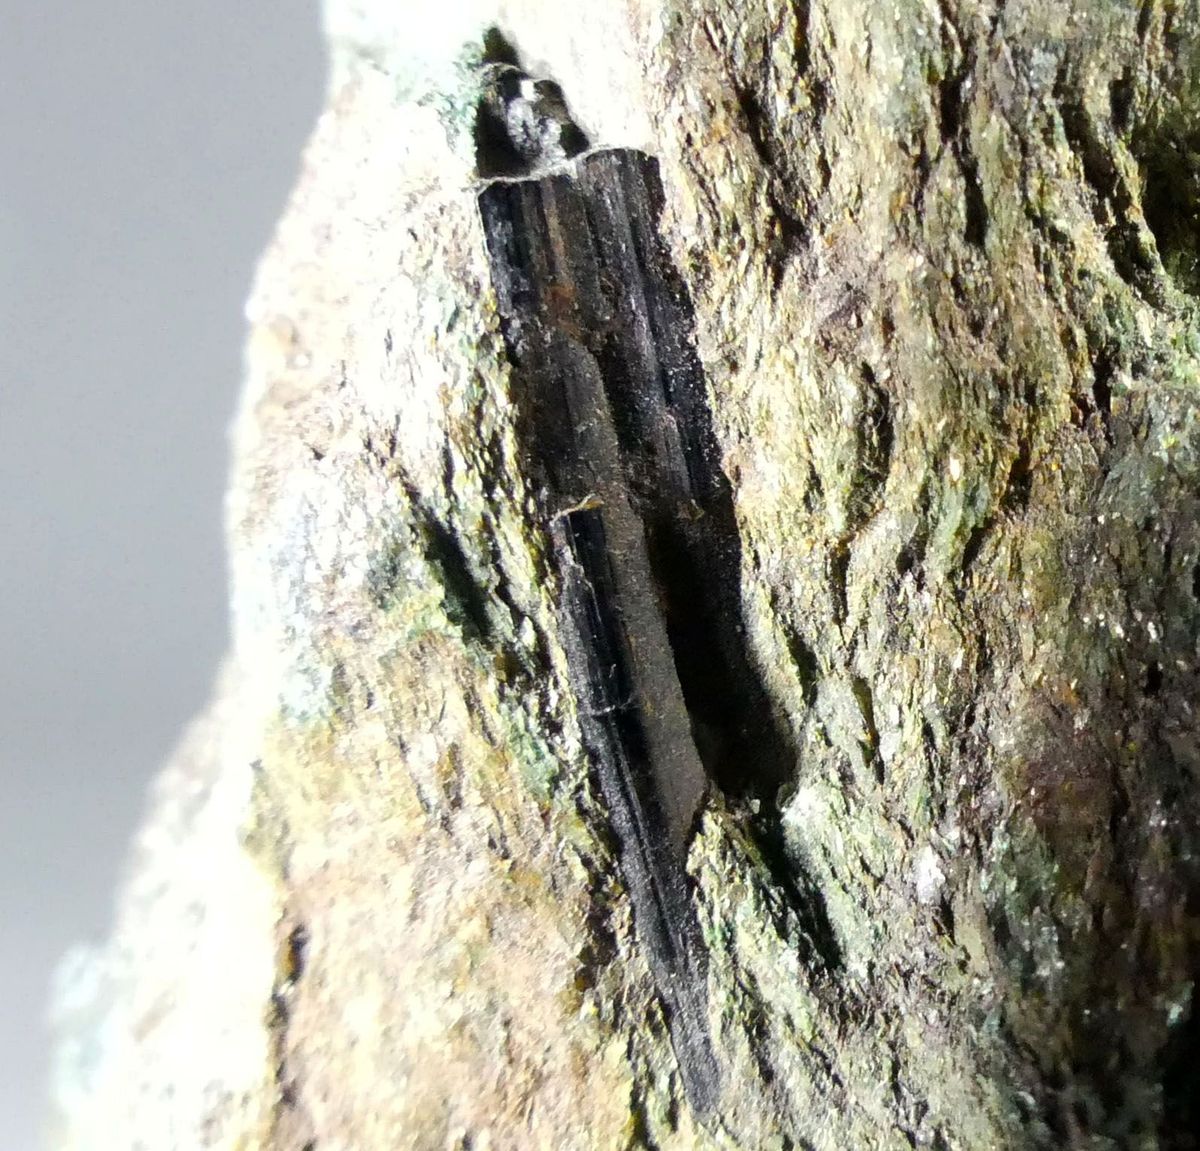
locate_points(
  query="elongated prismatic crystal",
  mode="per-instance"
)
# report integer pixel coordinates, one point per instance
(614, 418)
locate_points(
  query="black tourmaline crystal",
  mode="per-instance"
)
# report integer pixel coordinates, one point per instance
(616, 423)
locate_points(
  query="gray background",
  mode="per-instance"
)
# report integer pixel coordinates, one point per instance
(145, 150)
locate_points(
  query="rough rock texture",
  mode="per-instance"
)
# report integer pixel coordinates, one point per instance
(942, 260)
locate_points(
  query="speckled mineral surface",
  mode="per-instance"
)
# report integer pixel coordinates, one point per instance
(846, 798)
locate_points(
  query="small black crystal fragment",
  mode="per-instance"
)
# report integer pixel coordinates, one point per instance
(522, 124)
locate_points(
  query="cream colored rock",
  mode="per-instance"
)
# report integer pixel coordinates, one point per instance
(164, 1036)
